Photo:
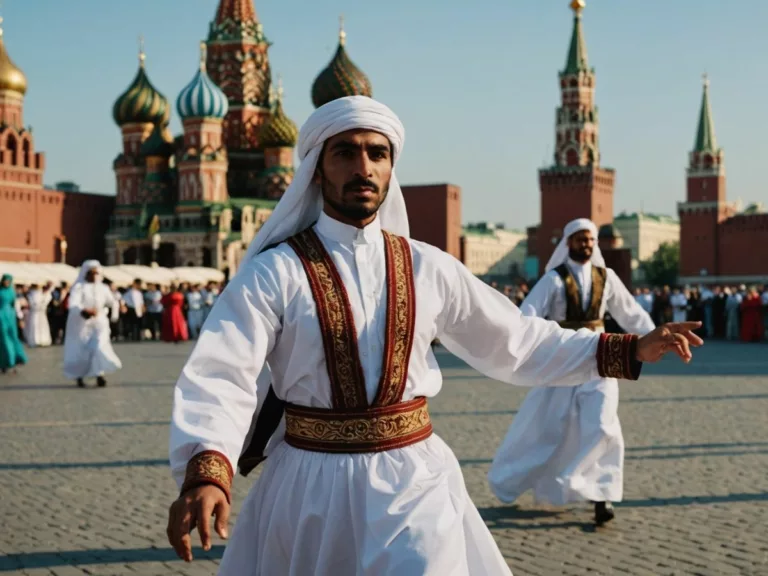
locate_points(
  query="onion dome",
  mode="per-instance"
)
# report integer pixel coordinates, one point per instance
(340, 78)
(159, 143)
(202, 98)
(279, 131)
(11, 76)
(141, 103)
(608, 232)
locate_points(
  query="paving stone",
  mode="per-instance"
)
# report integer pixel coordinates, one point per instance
(86, 486)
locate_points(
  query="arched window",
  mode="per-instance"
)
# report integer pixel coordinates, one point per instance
(12, 147)
(27, 153)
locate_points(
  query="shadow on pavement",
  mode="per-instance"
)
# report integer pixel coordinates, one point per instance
(28, 560)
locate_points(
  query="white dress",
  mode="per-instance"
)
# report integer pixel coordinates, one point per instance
(195, 313)
(401, 512)
(88, 351)
(679, 305)
(37, 331)
(565, 444)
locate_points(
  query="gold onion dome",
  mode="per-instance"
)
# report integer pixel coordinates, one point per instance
(141, 103)
(340, 78)
(279, 131)
(11, 76)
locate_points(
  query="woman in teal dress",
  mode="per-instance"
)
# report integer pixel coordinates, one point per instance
(11, 351)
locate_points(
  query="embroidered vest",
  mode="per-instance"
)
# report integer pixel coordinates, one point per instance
(352, 425)
(575, 315)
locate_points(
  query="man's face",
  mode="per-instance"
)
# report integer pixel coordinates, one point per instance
(354, 174)
(91, 275)
(581, 245)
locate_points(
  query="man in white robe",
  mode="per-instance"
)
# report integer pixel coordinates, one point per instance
(399, 509)
(679, 303)
(88, 350)
(566, 443)
(37, 331)
(195, 312)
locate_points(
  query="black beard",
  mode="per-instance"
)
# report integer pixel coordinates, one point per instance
(353, 211)
(581, 256)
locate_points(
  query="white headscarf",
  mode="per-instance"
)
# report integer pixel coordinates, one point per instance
(560, 254)
(87, 265)
(302, 203)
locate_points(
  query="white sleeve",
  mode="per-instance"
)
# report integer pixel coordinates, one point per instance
(215, 396)
(624, 308)
(486, 330)
(539, 299)
(75, 302)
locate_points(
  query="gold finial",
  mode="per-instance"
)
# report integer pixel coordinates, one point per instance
(1, 19)
(279, 87)
(577, 6)
(203, 55)
(142, 54)
(705, 79)
(342, 34)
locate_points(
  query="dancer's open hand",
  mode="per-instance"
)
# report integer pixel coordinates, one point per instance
(677, 337)
(195, 509)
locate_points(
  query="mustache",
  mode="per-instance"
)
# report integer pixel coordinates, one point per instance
(359, 183)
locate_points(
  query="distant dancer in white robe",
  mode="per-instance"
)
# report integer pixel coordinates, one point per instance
(679, 304)
(37, 330)
(566, 444)
(195, 312)
(397, 512)
(88, 351)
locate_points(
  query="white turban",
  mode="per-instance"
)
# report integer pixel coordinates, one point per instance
(87, 265)
(302, 203)
(560, 254)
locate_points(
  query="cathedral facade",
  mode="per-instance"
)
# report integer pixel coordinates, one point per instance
(199, 198)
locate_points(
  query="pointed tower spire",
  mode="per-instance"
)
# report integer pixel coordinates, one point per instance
(705, 135)
(577, 52)
(706, 157)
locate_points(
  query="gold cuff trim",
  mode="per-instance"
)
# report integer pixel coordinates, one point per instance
(209, 467)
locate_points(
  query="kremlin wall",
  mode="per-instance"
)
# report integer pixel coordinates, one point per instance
(198, 198)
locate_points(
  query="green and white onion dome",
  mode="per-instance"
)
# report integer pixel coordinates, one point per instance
(202, 98)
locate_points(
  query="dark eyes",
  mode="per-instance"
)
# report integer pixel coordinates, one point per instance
(375, 154)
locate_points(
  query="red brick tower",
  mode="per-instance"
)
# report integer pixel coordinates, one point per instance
(238, 62)
(575, 186)
(705, 206)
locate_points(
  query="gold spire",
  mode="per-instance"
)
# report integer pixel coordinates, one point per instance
(11, 77)
(705, 80)
(577, 6)
(279, 87)
(342, 34)
(203, 55)
(142, 54)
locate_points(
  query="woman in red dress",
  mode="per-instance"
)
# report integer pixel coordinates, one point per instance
(752, 317)
(174, 327)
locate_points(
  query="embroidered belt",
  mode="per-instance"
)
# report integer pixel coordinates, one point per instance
(357, 431)
(593, 325)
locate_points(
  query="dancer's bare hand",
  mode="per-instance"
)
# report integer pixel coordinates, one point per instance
(194, 509)
(673, 337)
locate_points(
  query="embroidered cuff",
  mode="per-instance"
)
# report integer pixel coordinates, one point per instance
(617, 356)
(209, 467)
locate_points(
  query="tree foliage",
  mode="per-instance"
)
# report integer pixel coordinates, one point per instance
(663, 267)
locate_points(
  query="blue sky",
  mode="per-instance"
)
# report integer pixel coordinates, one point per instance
(474, 82)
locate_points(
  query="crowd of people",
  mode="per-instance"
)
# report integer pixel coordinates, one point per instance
(36, 315)
(726, 312)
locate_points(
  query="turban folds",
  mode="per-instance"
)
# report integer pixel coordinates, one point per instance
(560, 254)
(302, 202)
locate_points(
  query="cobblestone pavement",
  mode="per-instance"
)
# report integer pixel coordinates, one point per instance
(85, 482)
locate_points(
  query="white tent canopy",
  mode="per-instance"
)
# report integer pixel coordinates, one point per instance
(122, 275)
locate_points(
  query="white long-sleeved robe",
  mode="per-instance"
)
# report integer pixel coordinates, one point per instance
(566, 444)
(679, 305)
(37, 331)
(195, 313)
(401, 512)
(88, 351)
